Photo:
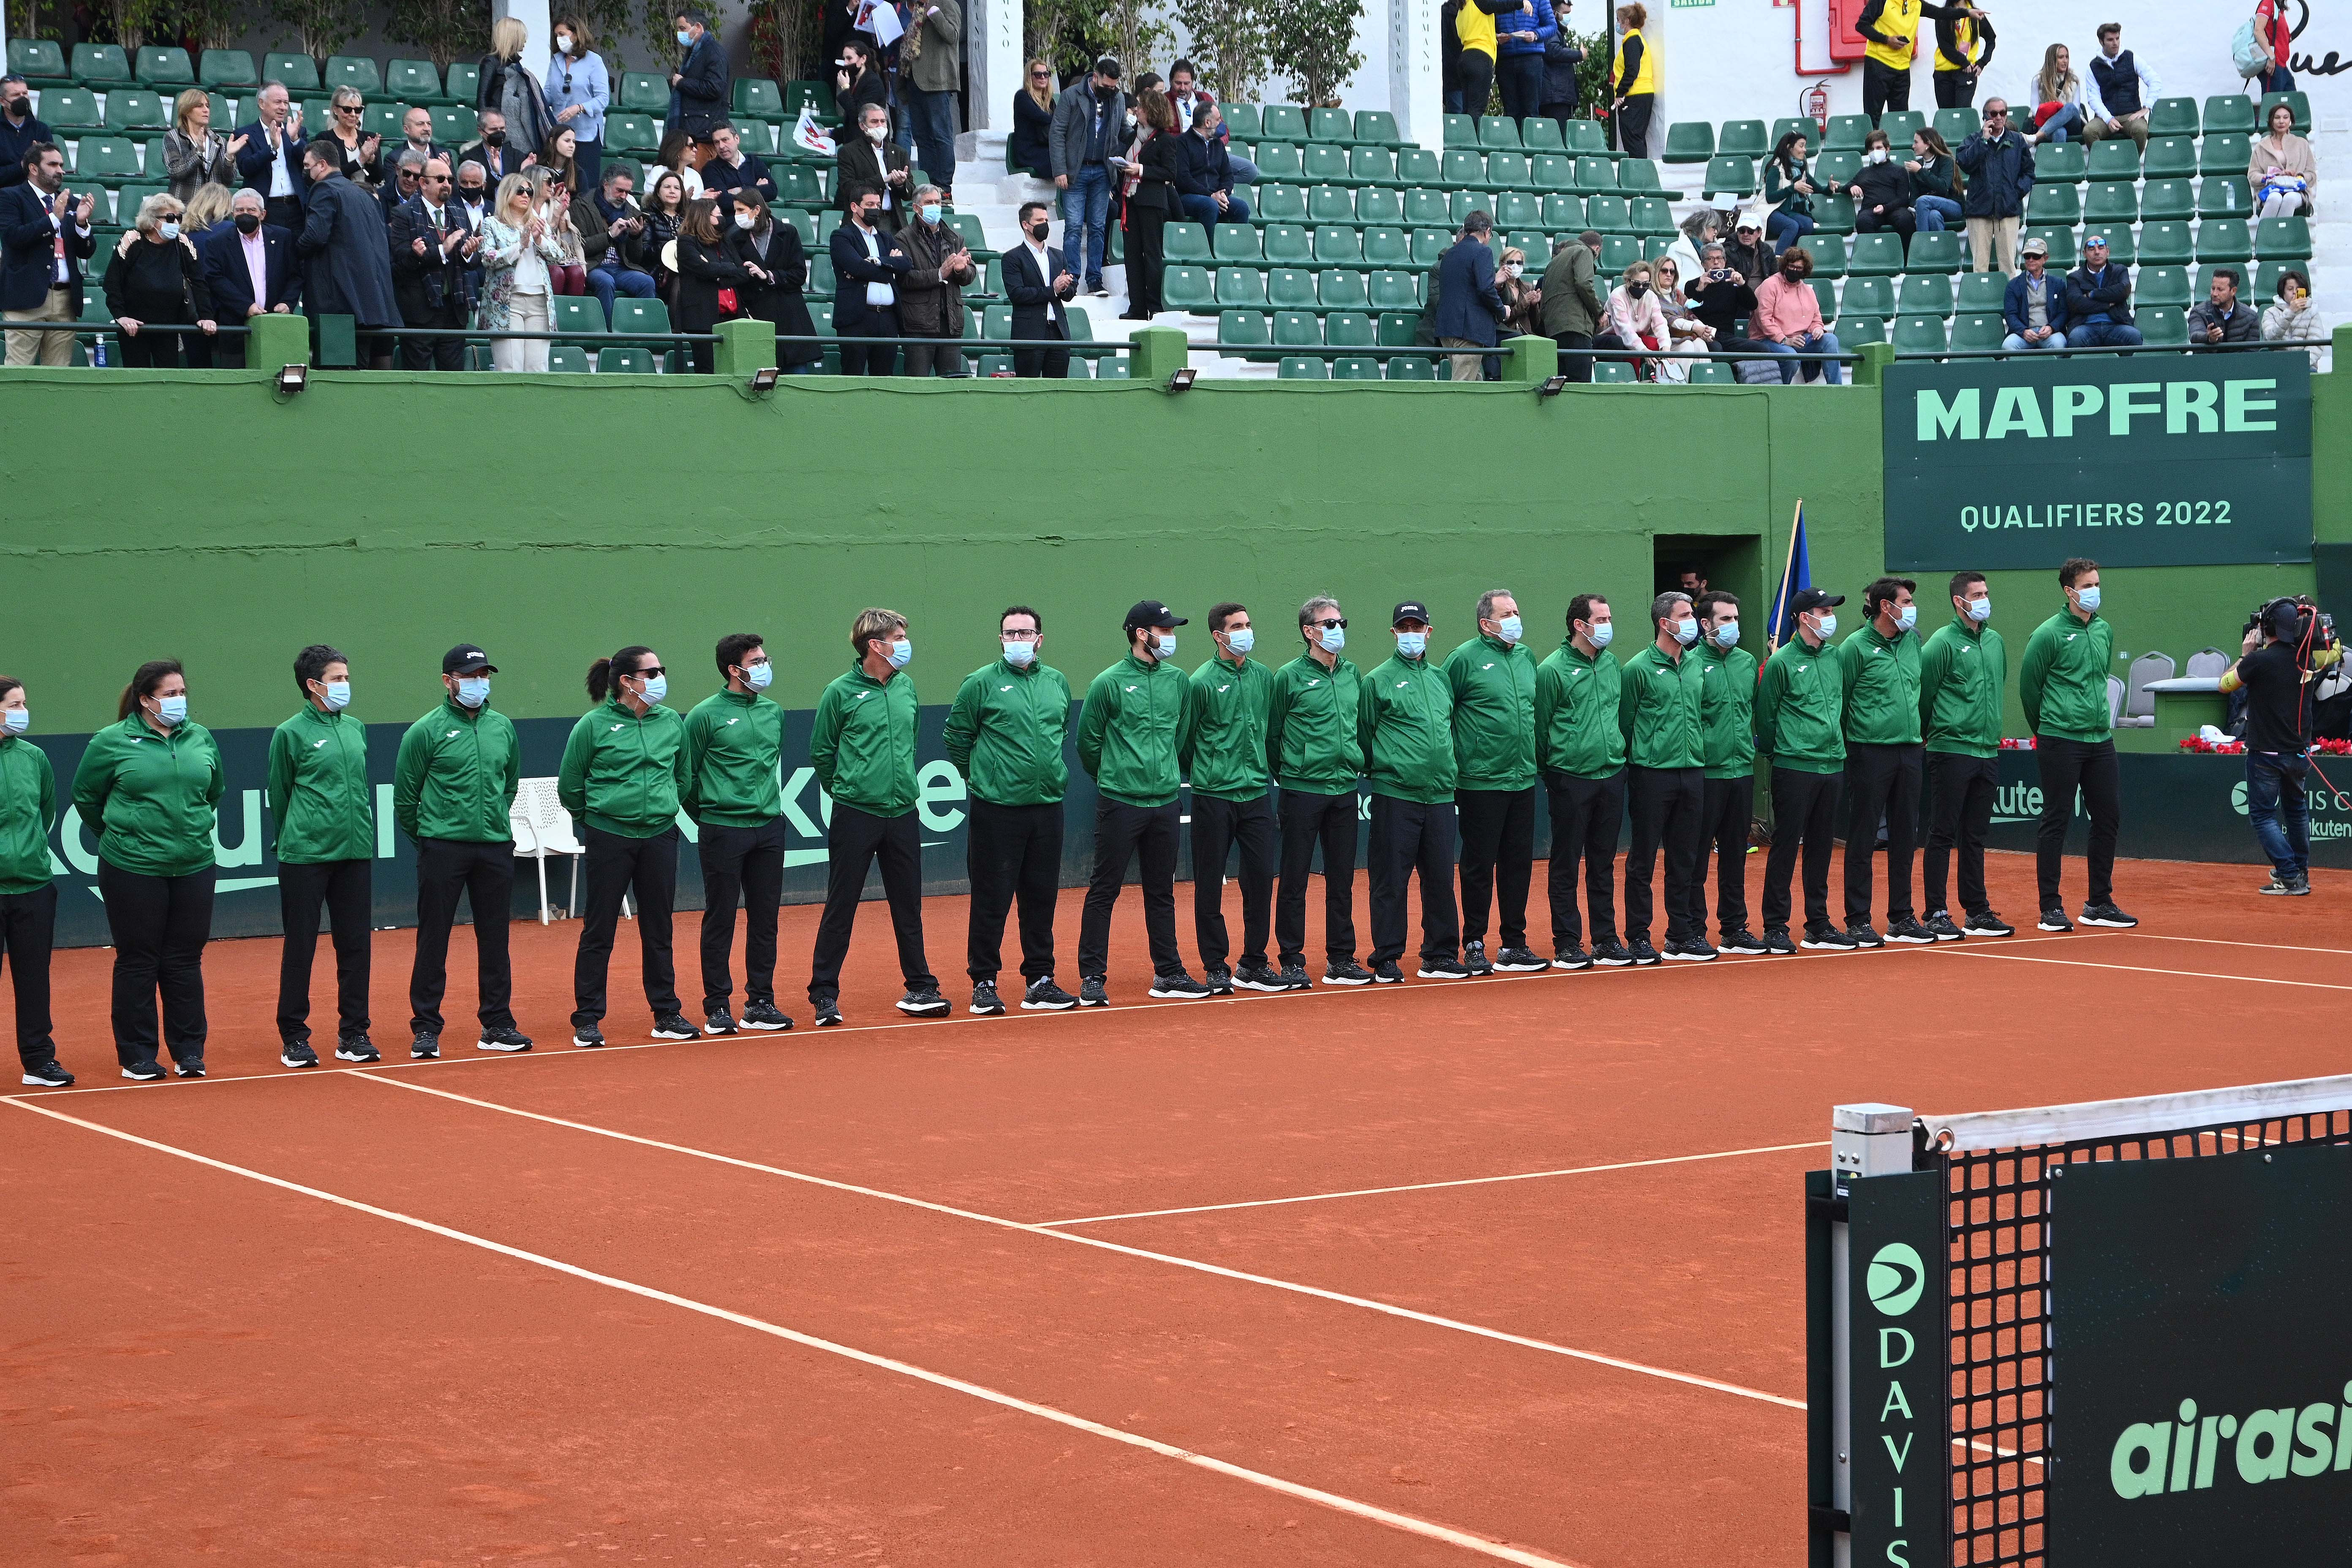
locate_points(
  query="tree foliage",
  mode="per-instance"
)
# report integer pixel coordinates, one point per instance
(446, 30)
(323, 26)
(1319, 49)
(1230, 40)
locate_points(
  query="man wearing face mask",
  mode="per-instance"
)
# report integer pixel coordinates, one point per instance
(1405, 724)
(2063, 685)
(1089, 119)
(1133, 729)
(1226, 755)
(1788, 319)
(1727, 743)
(19, 129)
(868, 265)
(1312, 746)
(698, 89)
(249, 268)
(1658, 709)
(734, 743)
(1801, 725)
(325, 811)
(1494, 680)
(1581, 752)
(489, 149)
(871, 161)
(1963, 671)
(1039, 282)
(1883, 759)
(452, 789)
(1005, 735)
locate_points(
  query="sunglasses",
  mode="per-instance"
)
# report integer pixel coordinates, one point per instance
(1331, 625)
(347, 108)
(648, 672)
(1040, 75)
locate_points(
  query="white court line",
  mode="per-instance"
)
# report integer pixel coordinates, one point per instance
(1432, 1187)
(2144, 969)
(2220, 942)
(1332, 1500)
(1366, 1302)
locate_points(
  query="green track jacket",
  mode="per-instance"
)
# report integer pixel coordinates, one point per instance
(1727, 711)
(1576, 714)
(734, 744)
(1658, 709)
(155, 794)
(1800, 709)
(862, 745)
(1963, 673)
(1007, 731)
(1404, 721)
(2063, 681)
(456, 776)
(29, 809)
(1882, 688)
(1310, 726)
(1225, 756)
(1494, 713)
(624, 773)
(319, 792)
(1136, 722)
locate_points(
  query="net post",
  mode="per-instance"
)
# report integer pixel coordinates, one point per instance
(1866, 1140)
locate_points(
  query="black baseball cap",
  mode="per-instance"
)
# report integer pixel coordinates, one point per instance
(1152, 612)
(1813, 599)
(1410, 610)
(466, 659)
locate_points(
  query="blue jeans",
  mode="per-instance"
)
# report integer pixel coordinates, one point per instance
(2103, 336)
(2067, 118)
(1085, 213)
(2280, 810)
(1936, 214)
(1202, 210)
(1245, 172)
(1817, 343)
(933, 116)
(1785, 229)
(607, 281)
(2018, 345)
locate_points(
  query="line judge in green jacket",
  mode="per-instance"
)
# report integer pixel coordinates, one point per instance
(1963, 673)
(1665, 783)
(1581, 752)
(29, 893)
(734, 792)
(623, 775)
(2064, 684)
(1727, 747)
(862, 749)
(1884, 761)
(452, 793)
(1132, 730)
(150, 784)
(1005, 734)
(1494, 680)
(1801, 725)
(1231, 806)
(1404, 721)
(1312, 748)
(325, 811)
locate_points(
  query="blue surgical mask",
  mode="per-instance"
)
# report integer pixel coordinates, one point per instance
(1241, 642)
(1599, 635)
(757, 676)
(339, 696)
(168, 229)
(1727, 634)
(1687, 631)
(1826, 627)
(1510, 628)
(2088, 597)
(1980, 609)
(473, 690)
(1334, 639)
(16, 721)
(930, 211)
(901, 652)
(1164, 644)
(1412, 644)
(1906, 617)
(686, 37)
(173, 711)
(656, 687)
(1020, 655)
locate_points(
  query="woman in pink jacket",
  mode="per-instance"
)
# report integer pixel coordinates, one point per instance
(1788, 317)
(1632, 319)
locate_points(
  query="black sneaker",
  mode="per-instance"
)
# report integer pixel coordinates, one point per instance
(2055, 918)
(1742, 941)
(1572, 957)
(144, 1072)
(1986, 923)
(1611, 954)
(1776, 944)
(191, 1070)
(1445, 969)
(924, 1004)
(1220, 981)
(1865, 934)
(508, 1040)
(2107, 915)
(1519, 961)
(424, 1048)
(1474, 958)
(1179, 986)
(1643, 954)
(1045, 996)
(589, 1039)
(828, 1011)
(1387, 973)
(1256, 975)
(296, 1054)
(719, 1021)
(2286, 887)
(1831, 939)
(765, 1016)
(985, 1002)
(1348, 972)
(357, 1048)
(1093, 991)
(1910, 932)
(1940, 926)
(48, 1075)
(1294, 975)
(673, 1026)
(1690, 949)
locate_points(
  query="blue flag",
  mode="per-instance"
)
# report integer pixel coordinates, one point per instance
(1800, 576)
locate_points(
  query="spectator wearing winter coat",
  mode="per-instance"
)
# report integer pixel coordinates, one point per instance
(1205, 171)
(1087, 119)
(2098, 300)
(2221, 319)
(2294, 319)
(1562, 91)
(1632, 319)
(1882, 192)
(1721, 298)
(1999, 167)
(1519, 40)
(2033, 308)
(1573, 307)
(930, 296)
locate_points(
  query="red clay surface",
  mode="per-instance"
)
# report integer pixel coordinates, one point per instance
(202, 1366)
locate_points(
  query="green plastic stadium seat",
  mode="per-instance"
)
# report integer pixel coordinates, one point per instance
(1325, 165)
(1331, 203)
(1733, 175)
(2113, 202)
(1651, 214)
(2174, 117)
(1709, 373)
(2168, 199)
(1349, 330)
(1183, 242)
(1508, 171)
(1517, 209)
(101, 65)
(127, 199)
(1397, 329)
(1340, 290)
(1297, 330)
(1281, 204)
(455, 124)
(108, 160)
(1377, 127)
(575, 315)
(1563, 214)
(1424, 209)
(1395, 290)
(1846, 132)
(996, 323)
(1540, 133)
(1836, 170)
(1332, 125)
(1655, 245)
(1429, 244)
(359, 71)
(1853, 332)
(628, 360)
(1372, 166)
(2170, 158)
(2224, 239)
(2226, 196)
(1875, 254)
(69, 108)
(1241, 289)
(2228, 112)
(1537, 246)
(645, 93)
(1281, 161)
(1585, 136)
(1465, 168)
(383, 119)
(1639, 176)
(2298, 101)
(1901, 125)
(300, 74)
(1955, 125)
(640, 316)
(2053, 203)
(1925, 294)
(1460, 131)
(40, 61)
(2282, 239)
(164, 68)
(1980, 331)
(414, 81)
(1690, 141)
(1873, 296)
(1828, 251)
(1236, 244)
(2163, 327)
(1302, 367)
(567, 359)
(228, 69)
(137, 113)
(1552, 174)
(1611, 371)
(759, 96)
(1833, 214)
(2061, 162)
(1282, 122)
(1184, 287)
(2061, 242)
(1936, 251)
(1241, 120)
(1618, 251)
(1291, 288)
(1920, 334)
(1337, 245)
(1595, 172)
(1742, 138)
(1609, 214)
(1420, 167)
(637, 133)
(1242, 332)
(2123, 245)
(1412, 368)
(1499, 133)
(2116, 158)
(1825, 295)
(1981, 292)
(1354, 367)
(2227, 155)
(1288, 244)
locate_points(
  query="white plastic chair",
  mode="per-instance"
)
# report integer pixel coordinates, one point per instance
(2140, 705)
(541, 829)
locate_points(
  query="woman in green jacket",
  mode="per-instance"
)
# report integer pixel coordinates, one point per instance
(623, 773)
(149, 786)
(325, 811)
(28, 898)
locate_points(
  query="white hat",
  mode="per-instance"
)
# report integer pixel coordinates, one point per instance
(1752, 218)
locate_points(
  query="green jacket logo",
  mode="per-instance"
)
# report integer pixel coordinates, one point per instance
(2155, 1456)
(1896, 1279)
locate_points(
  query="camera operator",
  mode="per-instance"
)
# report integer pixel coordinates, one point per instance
(2287, 644)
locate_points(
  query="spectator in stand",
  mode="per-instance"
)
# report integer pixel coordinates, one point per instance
(1562, 91)
(508, 86)
(1522, 301)
(2034, 307)
(1799, 708)
(698, 89)
(347, 261)
(2122, 88)
(1520, 38)
(432, 252)
(1187, 95)
(730, 168)
(613, 238)
(1468, 306)
(868, 265)
(1963, 673)
(2098, 300)
(1580, 752)
(250, 268)
(155, 279)
(1659, 711)
(1405, 725)
(1204, 177)
(2283, 171)
(579, 91)
(1634, 321)
(323, 809)
(708, 273)
(195, 155)
(1493, 678)
(1697, 230)
(931, 74)
(2294, 319)
(1028, 148)
(1232, 808)
(733, 790)
(1474, 25)
(1999, 166)
(404, 172)
(2063, 685)
(517, 253)
(1087, 120)
(859, 81)
(552, 192)
(1153, 164)
(1750, 254)
(1317, 756)
(1936, 183)
(930, 296)
(1573, 307)
(2276, 675)
(1789, 189)
(48, 238)
(271, 161)
(207, 210)
(19, 129)
(2273, 39)
(2078, 110)
(1728, 747)
(665, 210)
(490, 149)
(1040, 284)
(1634, 84)
(1788, 318)
(869, 161)
(416, 136)
(1685, 333)
(356, 151)
(1890, 30)
(28, 892)
(2221, 319)
(1964, 42)
(556, 155)
(770, 253)
(1720, 299)
(1882, 192)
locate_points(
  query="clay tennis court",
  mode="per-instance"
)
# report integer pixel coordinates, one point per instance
(1507, 1269)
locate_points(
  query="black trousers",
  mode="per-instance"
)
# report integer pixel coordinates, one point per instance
(1727, 807)
(1804, 812)
(1217, 827)
(619, 865)
(1409, 836)
(1309, 819)
(1960, 791)
(1146, 260)
(159, 926)
(28, 928)
(1013, 853)
(1050, 363)
(1575, 366)
(1125, 833)
(878, 359)
(2066, 766)
(346, 889)
(1881, 781)
(1883, 87)
(1586, 815)
(1498, 860)
(853, 842)
(437, 353)
(483, 875)
(1477, 69)
(745, 865)
(1669, 810)
(1955, 90)
(1633, 124)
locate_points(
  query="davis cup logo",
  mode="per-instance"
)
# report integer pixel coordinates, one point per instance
(1896, 1279)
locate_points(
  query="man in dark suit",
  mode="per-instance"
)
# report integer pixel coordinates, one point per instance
(272, 159)
(489, 149)
(1038, 281)
(46, 233)
(249, 268)
(19, 129)
(417, 136)
(871, 158)
(867, 262)
(698, 89)
(1467, 305)
(346, 259)
(734, 169)
(433, 249)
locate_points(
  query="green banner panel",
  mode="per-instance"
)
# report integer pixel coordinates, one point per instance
(1898, 1368)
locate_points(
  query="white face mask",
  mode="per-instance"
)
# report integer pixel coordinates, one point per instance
(656, 689)
(1164, 644)
(1513, 269)
(1875, 156)
(16, 721)
(168, 229)
(1600, 636)
(338, 695)
(473, 690)
(1334, 639)
(1510, 628)
(877, 134)
(744, 220)
(563, 42)
(1826, 628)
(1980, 609)
(757, 676)
(1020, 655)
(901, 651)
(1412, 644)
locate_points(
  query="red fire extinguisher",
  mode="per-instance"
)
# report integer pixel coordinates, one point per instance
(1816, 105)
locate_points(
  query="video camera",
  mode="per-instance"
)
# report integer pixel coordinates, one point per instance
(2297, 621)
